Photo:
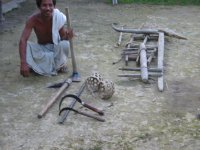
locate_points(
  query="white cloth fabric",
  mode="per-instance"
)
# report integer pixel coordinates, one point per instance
(59, 20)
(47, 59)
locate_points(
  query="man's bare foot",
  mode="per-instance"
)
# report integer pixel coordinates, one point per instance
(63, 69)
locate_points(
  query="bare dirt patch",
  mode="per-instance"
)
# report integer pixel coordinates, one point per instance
(137, 116)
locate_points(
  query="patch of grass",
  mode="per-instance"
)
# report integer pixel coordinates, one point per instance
(160, 2)
(96, 148)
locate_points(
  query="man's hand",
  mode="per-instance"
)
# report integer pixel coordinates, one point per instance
(69, 33)
(24, 70)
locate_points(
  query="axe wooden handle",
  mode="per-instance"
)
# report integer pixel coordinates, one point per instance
(54, 98)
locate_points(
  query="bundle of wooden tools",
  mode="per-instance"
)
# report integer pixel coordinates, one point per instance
(146, 48)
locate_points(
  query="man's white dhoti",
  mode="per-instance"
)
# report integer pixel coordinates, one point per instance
(47, 59)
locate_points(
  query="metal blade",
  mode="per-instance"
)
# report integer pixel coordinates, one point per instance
(56, 85)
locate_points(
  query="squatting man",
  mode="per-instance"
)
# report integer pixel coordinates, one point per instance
(49, 55)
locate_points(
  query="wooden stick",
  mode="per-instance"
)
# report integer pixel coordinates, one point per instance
(54, 98)
(150, 58)
(75, 75)
(126, 60)
(128, 46)
(152, 55)
(135, 48)
(171, 33)
(136, 31)
(160, 59)
(167, 32)
(91, 116)
(138, 69)
(120, 38)
(143, 61)
(157, 74)
(141, 37)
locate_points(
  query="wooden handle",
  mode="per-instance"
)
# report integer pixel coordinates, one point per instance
(94, 109)
(91, 116)
(54, 99)
(71, 42)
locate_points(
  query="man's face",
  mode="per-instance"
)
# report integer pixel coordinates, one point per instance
(46, 8)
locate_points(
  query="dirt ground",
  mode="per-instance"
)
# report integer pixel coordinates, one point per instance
(138, 116)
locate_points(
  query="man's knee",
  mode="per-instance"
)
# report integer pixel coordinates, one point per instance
(65, 46)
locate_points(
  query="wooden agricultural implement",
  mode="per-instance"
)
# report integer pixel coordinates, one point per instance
(146, 48)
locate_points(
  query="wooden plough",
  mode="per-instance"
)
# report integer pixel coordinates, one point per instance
(145, 47)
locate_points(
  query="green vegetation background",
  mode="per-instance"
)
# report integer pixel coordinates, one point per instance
(160, 2)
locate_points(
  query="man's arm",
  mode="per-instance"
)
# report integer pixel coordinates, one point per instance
(24, 69)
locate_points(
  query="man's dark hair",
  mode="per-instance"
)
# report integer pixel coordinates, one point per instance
(38, 2)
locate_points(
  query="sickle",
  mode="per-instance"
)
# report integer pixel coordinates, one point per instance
(82, 103)
(82, 113)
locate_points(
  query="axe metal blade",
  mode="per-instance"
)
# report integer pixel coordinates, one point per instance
(56, 85)
(76, 77)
